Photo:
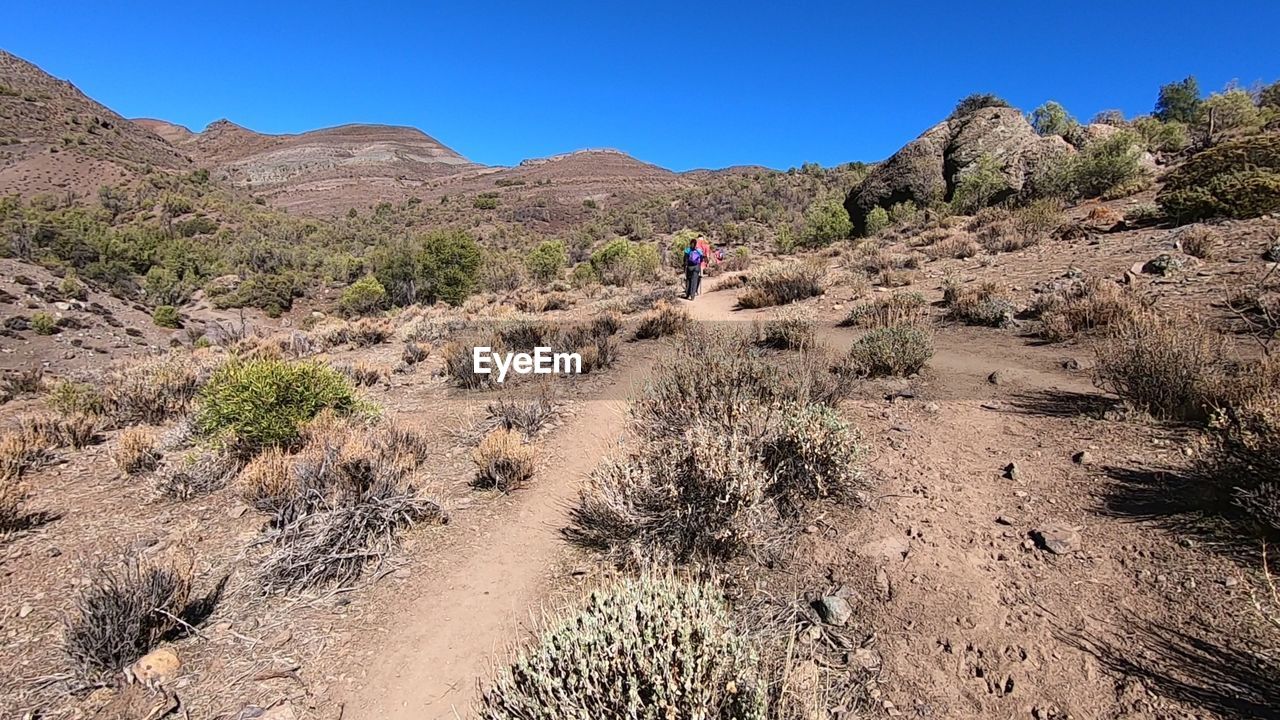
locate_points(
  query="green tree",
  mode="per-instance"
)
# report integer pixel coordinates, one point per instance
(1178, 101)
(166, 316)
(1269, 96)
(362, 297)
(547, 260)
(449, 264)
(826, 221)
(1227, 114)
(1053, 119)
(976, 102)
(877, 221)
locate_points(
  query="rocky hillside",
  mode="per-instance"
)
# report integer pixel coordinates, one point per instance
(55, 139)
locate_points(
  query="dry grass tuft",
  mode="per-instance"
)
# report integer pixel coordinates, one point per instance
(503, 461)
(195, 473)
(1168, 366)
(152, 390)
(1200, 241)
(528, 415)
(783, 283)
(663, 320)
(136, 451)
(986, 304)
(791, 328)
(1081, 306)
(957, 247)
(900, 308)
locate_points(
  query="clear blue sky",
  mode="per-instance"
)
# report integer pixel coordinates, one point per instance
(682, 84)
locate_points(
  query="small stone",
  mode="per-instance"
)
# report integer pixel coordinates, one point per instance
(1230, 582)
(236, 511)
(1004, 520)
(834, 610)
(1082, 458)
(25, 610)
(1057, 540)
(1070, 364)
(1012, 471)
(995, 378)
(156, 668)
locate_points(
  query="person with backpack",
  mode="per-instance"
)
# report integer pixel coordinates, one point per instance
(694, 259)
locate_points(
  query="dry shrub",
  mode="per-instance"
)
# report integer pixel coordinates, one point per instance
(819, 377)
(896, 278)
(814, 455)
(331, 333)
(195, 473)
(986, 304)
(363, 373)
(20, 452)
(1200, 241)
(71, 398)
(122, 614)
(900, 308)
(339, 504)
(13, 498)
(503, 461)
(1168, 366)
(459, 364)
(1081, 306)
(414, 353)
(368, 332)
(893, 350)
(783, 283)
(292, 344)
(152, 390)
(1038, 220)
(136, 451)
(650, 648)
(665, 319)
(21, 382)
(52, 431)
(527, 415)
(791, 328)
(957, 247)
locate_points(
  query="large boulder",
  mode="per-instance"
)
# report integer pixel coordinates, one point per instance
(928, 168)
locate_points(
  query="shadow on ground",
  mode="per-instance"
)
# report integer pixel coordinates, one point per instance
(1062, 403)
(1195, 669)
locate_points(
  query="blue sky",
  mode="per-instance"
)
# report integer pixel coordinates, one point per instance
(680, 84)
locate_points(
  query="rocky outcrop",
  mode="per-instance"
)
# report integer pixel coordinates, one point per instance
(928, 168)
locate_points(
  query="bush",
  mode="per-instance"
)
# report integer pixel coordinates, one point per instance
(1053, 119)
(649, 648)
(790, 329)
(1239, 179)
(1169, 367)
(877, 221)
(362, 297)
(1178, 102)
(262, 403)
(1199, 241)
(42, 323)
(622, 262)
(826, 221)
(195, 473)
(74, 398)
(166, 316)
(899, 308)
(979, 185)
(547, 260)
(815, 455)
(664, 319)
(136, 451)
(450, 263)
(985, 304)
(414, 353)
(1080, 306)
(1162, 137)
(13, 499)
(896, 350)
(957, 247)
(1227, 114)
(503, 461)
(122, 615)
(71, 288)
(528, 416)
(783, 283)
(972, 103)
(1106, 168)
(152, 390)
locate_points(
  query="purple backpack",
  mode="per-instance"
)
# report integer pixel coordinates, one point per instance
(695, 257)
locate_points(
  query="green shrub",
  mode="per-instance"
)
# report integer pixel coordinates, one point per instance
(263, 402)
(896, 350)
(1160, 136)
(904, 214)
(975, 102)
(68, 397)
(71, 287)
(622, 262)
(547, 260)
(648, 648)
(877, 221)
(1239, 179)
(42, 323)
(1053, 119)
(826, 221)
(449, 264)
(167, 316)
(979, 185)
(485, 202)
(1227, 114)
(1104, 168)
(584, 274)
(362, 297)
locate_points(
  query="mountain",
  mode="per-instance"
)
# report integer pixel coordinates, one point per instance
(55, 139)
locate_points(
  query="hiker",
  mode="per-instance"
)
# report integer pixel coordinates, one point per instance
(694, 259)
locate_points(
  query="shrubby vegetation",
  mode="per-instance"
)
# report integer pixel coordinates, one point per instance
(1240, 179)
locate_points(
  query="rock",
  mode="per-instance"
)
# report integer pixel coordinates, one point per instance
(1012, 471)
(157, 668)
(928, 168)
(1163, 264)
(1004, 520)
(867, 659)
(1055, 539)
(1070, 364)
(995, 378)
(1272, 254)
(25, 610)
(1082, 458)
(238, 510)
(889, 548)
(834, 610)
